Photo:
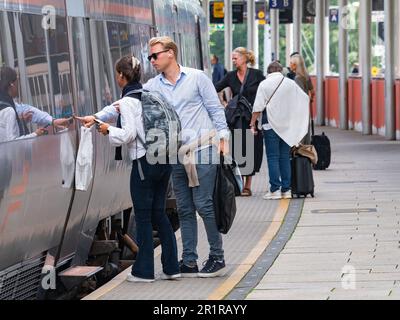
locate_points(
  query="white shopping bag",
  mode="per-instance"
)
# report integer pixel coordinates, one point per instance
(67, 156)
(84, 161)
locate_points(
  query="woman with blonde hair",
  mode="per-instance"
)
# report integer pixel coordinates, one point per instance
(302, 78)
(244, 82)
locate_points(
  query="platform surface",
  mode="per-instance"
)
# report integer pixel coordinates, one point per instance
(347, 243)
(345, 246)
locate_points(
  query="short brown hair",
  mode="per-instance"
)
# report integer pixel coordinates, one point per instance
(166, 42)
(274, 67)
(125, 67)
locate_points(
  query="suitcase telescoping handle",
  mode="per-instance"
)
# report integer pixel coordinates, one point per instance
(312, 120)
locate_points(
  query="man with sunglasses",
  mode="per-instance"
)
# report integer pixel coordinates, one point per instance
(194, 98)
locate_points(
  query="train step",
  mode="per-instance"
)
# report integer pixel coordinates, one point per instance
(76, 275)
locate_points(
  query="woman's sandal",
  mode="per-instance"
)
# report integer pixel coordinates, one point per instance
(246, 193)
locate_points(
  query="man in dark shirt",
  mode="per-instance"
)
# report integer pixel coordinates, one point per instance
(218, 70)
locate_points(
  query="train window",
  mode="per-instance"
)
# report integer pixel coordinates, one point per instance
(7, 40)
(60, 73)
(83, 67)
(127, 40)
(141, 49)
(183, 56)
(114, 38)
(47, 65)
(104, 71)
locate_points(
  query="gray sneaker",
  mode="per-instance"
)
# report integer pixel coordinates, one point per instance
(277, 195)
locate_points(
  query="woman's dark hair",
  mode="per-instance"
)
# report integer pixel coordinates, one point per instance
(129, 67)
(7, 77)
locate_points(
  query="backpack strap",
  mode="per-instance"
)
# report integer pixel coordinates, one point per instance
(134, 94)
(4, 105)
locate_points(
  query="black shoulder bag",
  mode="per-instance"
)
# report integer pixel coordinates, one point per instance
(239, 107)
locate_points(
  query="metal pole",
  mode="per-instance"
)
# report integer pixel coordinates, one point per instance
(250, 25)
(267, 47)
(289, 42)
(397, 55)
(320, 57)
(389, 71)
(256, 44)
(343, 67)
(297, 16)
(365, 43)
(275, 33)
(228, 33)
(206, 9)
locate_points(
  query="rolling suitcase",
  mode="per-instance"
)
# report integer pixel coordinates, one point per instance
(302, 177)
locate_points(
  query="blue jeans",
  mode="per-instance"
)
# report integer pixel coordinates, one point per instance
(200, 199)
(278, 156)
(149, 200)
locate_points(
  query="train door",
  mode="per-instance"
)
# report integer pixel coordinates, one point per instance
(110, 192)
(82, 83)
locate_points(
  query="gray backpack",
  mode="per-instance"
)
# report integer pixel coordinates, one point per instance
(161, 123)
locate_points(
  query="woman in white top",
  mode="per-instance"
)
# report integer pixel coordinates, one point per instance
(11, 126)
(148, 182)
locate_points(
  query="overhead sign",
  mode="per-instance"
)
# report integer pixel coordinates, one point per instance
(261, 11)
(217, 12)
(286, 16)
(237, 12)
(378, 5)
(281, 4)
(334, 15)
(309, 12)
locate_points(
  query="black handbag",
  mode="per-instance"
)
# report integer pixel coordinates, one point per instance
(224, 197)
(239, 107)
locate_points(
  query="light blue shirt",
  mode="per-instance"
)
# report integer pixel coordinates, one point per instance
(195, 100)
(39, 117)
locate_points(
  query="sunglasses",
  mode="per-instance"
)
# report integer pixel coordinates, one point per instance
(155, 55)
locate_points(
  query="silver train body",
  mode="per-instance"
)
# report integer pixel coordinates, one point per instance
(65, 56)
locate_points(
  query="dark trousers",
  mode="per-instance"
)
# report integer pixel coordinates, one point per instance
(149, 200)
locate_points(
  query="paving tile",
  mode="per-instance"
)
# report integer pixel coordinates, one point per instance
(302, 294)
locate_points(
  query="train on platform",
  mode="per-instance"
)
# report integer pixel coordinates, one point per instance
(57, 242)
